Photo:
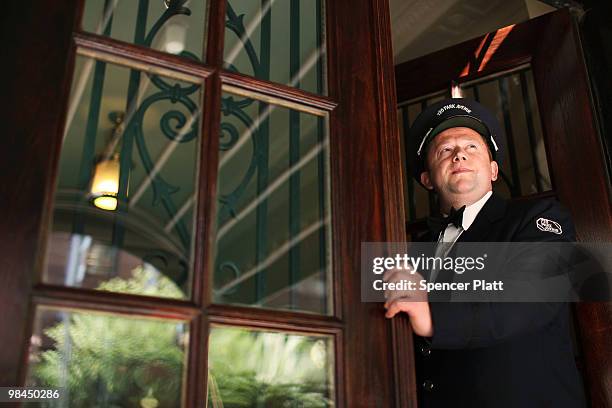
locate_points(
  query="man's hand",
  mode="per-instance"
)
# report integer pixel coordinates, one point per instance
(419, 313)
(412, 302)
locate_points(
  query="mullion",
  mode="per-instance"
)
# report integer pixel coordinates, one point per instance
(113, 302)
(270, 318)
(145, 57)
(196, 378)
(273, 326)
(278, 91)
(98, 46)
(207, 177)
(196, 389)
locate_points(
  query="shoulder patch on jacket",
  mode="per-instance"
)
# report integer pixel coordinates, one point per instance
(546, 225)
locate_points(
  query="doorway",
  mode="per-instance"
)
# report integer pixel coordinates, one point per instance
(532, 76)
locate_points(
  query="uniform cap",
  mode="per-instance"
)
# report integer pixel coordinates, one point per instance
(450, 113)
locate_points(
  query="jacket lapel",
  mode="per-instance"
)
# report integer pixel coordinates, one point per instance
(493, 210)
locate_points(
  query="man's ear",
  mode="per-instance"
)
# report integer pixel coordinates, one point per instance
(494, 170)
(426, 181)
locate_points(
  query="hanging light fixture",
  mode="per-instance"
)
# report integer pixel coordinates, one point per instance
(175, 32)
(456, 91)
(105, 181)
(105, 184)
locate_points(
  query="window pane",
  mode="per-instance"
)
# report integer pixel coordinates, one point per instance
(248, 368)
(524, 171)
(108, 361)
(173, 26)
(123, 218)
(280, 41)
(272, 211)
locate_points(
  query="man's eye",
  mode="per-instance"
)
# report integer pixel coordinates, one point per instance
(472, 146)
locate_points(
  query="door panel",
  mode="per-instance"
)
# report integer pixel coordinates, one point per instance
(352, 341)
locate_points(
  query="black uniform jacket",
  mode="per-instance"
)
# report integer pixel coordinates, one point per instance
(502, 354)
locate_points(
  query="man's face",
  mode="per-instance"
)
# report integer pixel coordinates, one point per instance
(458, 163)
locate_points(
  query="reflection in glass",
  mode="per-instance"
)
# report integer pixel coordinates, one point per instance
(254, 368)
(525, 169)
(108, 361)
(172, 26)
(126, 183)
(272, 212)
(280, 41)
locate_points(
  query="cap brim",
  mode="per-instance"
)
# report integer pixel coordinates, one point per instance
(461, 121)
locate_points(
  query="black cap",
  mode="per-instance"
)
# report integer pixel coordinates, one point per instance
(446, 114)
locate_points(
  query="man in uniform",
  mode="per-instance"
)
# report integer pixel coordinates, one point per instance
(485, 354)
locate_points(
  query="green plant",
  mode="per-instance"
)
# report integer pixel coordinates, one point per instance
(111, 361)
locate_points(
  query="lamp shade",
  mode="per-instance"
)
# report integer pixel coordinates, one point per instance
(105, 184)
(176, 32)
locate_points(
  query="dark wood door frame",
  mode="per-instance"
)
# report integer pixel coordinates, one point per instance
(551, 45)
(379, 369)
(33, 63)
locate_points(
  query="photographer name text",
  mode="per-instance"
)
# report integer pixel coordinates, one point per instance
(404, 284)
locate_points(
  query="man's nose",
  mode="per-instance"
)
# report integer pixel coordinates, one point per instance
(459, 155)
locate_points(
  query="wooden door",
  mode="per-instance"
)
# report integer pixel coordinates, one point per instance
(535, 71)
(349, 104)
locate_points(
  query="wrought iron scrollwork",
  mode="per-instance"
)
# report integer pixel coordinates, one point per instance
(236, 107)
(236, 24)
(172, 124)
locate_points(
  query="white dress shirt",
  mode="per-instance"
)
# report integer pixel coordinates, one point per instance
(451, 234)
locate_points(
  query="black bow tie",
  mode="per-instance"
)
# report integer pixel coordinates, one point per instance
(438, 224)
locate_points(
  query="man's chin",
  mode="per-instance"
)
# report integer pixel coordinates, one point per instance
(462, 188)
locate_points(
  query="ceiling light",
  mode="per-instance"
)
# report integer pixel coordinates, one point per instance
(176, 32)
(105, 184)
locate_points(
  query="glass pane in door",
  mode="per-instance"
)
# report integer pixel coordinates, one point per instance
(172, 26)
(123, 215)
(107, 360)
(281, 41)
(273, 214)
(253, 368)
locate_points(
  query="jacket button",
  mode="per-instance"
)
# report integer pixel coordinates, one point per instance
(425, 350)
(428, 385)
